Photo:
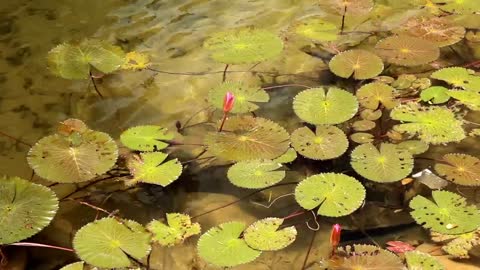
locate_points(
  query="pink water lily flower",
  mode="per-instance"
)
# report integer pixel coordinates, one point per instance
(228, 102)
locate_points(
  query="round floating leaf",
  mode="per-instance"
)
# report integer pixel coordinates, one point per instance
(458, 6)
(367, 257)
(361, 137)
(448, 214)
(255, 173)
(222, 246)
(179, 228)
(434, 125)
(459, 245)
(371, 95)
(151, 168)
(136, 61)
(371, 115)
(407, 51)
(60, 159)
(265, 235)
(243, 46)
(146, 138)
(245, 97)
(424, 261)
(317, 29)
(109, 243)
(359, 63)
(317, 107)
(327, 142)
(435, 94)
(336, 194)
(246, 138)
(74, 266)
(461, 169)
(363, 125)
(458, 77)
(390, 163)
(469, 98)
(73, 61)
(25, 209)
(288, 157)
(352, 7)
(413, 146)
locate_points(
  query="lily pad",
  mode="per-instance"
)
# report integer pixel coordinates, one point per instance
(360, 64)
(414, 146)
(74, 266)
(108, 243)
(435, 94)
(327, 142)
(25, 209)
(389, 163)
(246, 97)
(151, 168)
(371, 115)
(288, 157)
(179, 228)
(434, 125)
(460, 169)
(319, 106)
(458, 246)
(265, 235)
(222, 246)
(57, 158)
(371, 95)
(74, 61)
(469, 98)
(458, 77)
(146, 138)
(255, 173)
(247, 137)
(407, 51)
(458, 6)
(317, 29)
(367, 257)
(243, 46)
(136, 61)
(363, 125)
(335, 194)
(447, 214)
(424, 261)
(362, 137)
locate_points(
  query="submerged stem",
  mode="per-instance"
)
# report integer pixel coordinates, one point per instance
(224, 77)
(285, 85)
(27, 244)
(224, 118)
(343, 19)
(95, 85)
(15, 139)
(309, 249)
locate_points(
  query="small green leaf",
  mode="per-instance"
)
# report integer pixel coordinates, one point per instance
(407, 51)
(222, 246)
(387, 164)
(371, 95)
(458, 246)
(255, 173)
(336, 194)
(458, 77)
(413, 146)
(435, 94)
(287, 157)
(319, 106)
(246, 97)
(136, 61)
(363, 125)
(424, 261)
(328, 142)
(362, 137)
(25, 209)
(371, 115)
(74, 266)
(265, 235)
(317, 29)
(109, 243)
(460, 169)
(152, 169)
(360, 64)
(448, 214)
(179, 228)
(469, 98)
(146, 138)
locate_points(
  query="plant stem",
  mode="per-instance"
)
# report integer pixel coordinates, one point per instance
(95, 85)
(343, 19)
(94, 207)
(27, 244)
(224, 77)
(224, 118)
(295, 214)
(15, 139)
(309, 249)
(472, 123)
(285, 85)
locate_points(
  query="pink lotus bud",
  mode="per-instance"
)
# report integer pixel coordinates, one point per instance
(335, 235)
(228, 101)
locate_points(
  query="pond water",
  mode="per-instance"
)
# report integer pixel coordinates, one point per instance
(171, 32)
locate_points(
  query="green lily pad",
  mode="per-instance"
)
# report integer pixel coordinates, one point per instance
(74, 61)
(288, 157)
(458, 6)
(434, 125)
(25, 209)
(367, 257)
(318, 106)
(151, 168)
(247, 138)
(255, 173)
(179, 228)
(460, 169)
(447, 214)
(362, 137)
(108, 243)
(327, 142)
(335, 194)
(243, 46)
(371, 115)
(136, 61)
(469, 98)
(435, 94)
(74, 266)
(57, 158)
(458, 77)
(414, 146)
(221, 246)
(407, 51)
(371, 95)
(265, 235)
(390, 163)
(458, 246)
(146, 138)
(317, 29)
(245, 97)
(363, 125)
(360, 64)
(424, 261)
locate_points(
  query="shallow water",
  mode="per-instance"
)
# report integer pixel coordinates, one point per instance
(33, 101)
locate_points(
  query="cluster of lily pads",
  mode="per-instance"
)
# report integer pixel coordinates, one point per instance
(388, 108)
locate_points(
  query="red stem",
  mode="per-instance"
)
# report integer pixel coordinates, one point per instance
(223, 122)
(27, 244)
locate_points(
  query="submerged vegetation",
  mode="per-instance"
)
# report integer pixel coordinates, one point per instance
(393, 97)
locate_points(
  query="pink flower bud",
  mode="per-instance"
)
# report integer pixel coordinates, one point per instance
(228, 101)
(335, 235)
(399, 246)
